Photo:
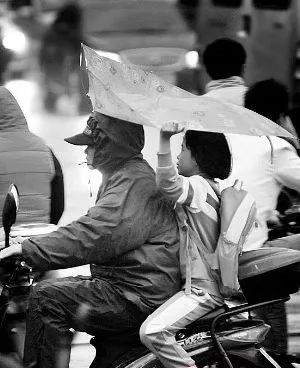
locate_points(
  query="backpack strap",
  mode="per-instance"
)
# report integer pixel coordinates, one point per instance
(214, 187)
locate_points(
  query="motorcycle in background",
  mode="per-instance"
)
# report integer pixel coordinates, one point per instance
(219, 339)
(288, 223)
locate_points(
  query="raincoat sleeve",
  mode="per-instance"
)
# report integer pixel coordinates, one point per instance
(119, 222)
(188, 191)
(286, 164)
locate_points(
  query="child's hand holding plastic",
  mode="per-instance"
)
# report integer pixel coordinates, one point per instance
(170, 129)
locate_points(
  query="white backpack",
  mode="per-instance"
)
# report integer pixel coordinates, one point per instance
(237, 219)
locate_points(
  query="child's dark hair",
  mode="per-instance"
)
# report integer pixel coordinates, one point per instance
(211, 152)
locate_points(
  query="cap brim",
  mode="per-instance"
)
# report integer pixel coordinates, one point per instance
(80, 139)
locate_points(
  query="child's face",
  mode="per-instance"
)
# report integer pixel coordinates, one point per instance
(186, 164)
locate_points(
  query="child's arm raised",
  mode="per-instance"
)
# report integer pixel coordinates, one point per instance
(167, 178)
(165, 145)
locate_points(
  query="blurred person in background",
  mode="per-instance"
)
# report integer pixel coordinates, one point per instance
(5, 58)
(188, 10)
(59, 58)
(270, 98)
(224, 61)
(273, 163)
(227, 83)
(275, 168)
(28, 162)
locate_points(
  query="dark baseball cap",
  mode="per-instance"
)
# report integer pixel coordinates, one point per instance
(82, 139)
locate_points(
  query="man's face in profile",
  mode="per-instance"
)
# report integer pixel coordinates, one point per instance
(90, 153)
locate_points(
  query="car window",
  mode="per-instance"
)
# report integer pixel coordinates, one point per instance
(132, 16)
(47, 5)
(272, 4)
(228, 3)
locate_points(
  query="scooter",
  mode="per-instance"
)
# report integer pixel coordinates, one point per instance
(16, 279)
(222, 338)
(225, 337)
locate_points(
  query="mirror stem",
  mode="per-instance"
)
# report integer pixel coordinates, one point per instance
(7, 231)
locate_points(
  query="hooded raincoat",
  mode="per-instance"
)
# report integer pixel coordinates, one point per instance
(130, 237)
(26, 161)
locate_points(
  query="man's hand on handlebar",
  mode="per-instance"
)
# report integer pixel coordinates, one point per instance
(12, 250)
(13, 240)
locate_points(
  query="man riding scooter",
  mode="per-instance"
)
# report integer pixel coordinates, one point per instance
(130, 239)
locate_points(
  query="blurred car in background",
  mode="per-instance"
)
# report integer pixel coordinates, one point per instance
(22, 24)
(18, 46)
(142, 32)
(147, 28)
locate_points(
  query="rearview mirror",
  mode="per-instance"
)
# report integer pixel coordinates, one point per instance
(10, 209)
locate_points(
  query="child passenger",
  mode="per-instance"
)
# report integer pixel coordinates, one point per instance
(204, 157)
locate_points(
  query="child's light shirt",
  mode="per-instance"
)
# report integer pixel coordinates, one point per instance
(196, 205)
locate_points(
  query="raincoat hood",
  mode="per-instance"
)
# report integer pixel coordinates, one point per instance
(12, 118)
(115, 140)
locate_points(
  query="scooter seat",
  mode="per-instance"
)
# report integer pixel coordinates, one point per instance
(203, 323)
(269, 273)
(259, 261)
